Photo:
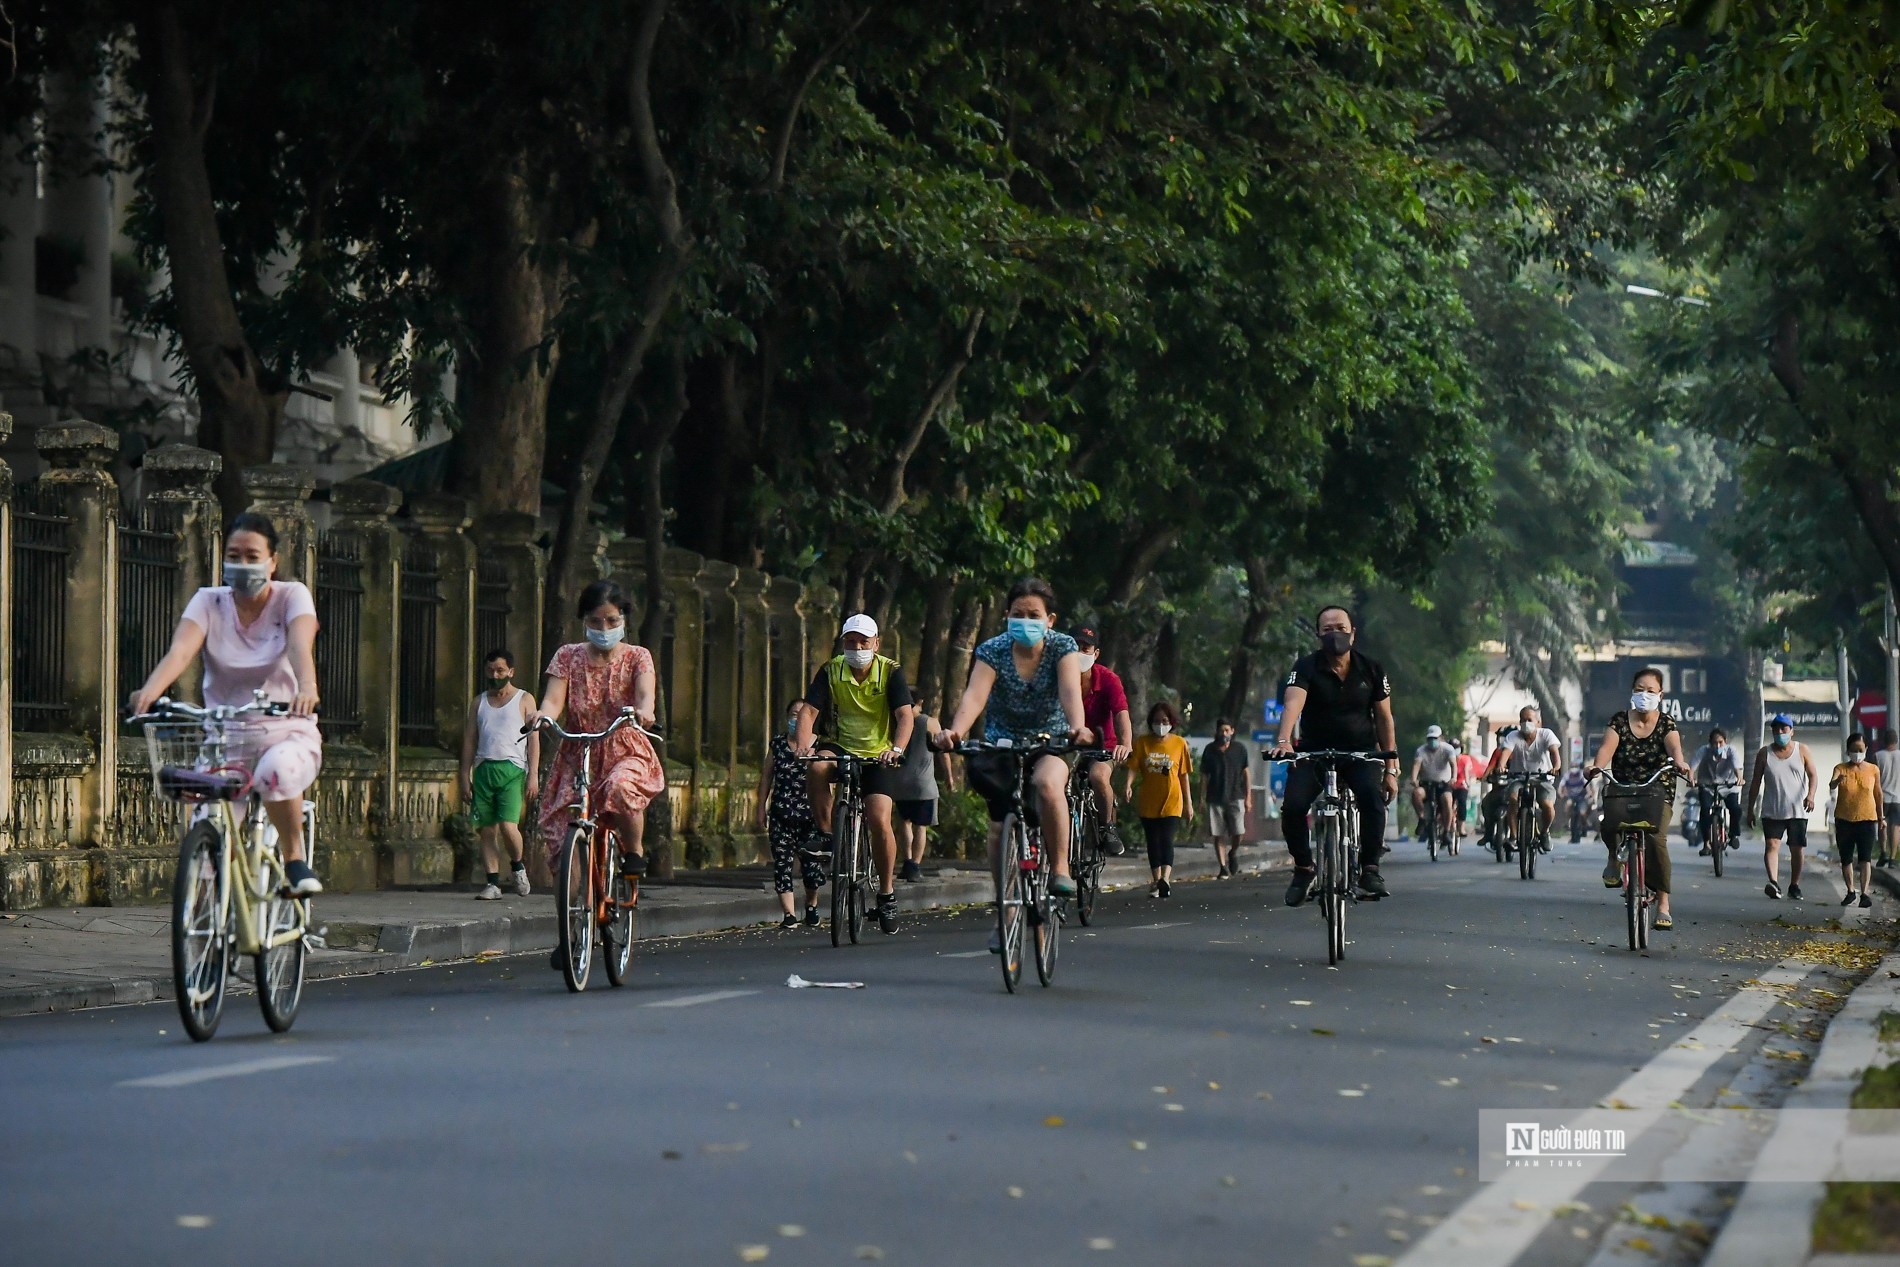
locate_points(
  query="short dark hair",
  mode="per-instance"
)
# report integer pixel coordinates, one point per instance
(603, 592)
(251, 521)
(1889, 735)
(1648, 670)
(1031, 585)
(1858, 735)
(1163, 711)
(794, 702)
(1717, 733)
(1223, 721)
(506, 656)
(1334, 607)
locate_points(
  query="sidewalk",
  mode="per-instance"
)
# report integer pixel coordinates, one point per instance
(60, 960)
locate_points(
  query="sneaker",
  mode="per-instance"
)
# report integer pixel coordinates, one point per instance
(1222, 874)
(1613, 874)
(1772, 889)
(1372, 884)
(1865, 900)
(1794, 892)
(1062, 886)
(887, 912)
(521, 883)
(790, 921)
(301, 880)
(811, 917)
(1702, 852)
(633, 865)
(1302, 884)
(1164, 889)
(996, 941)
(489, 893)
(1849, 899)
(1112, 843)
(912, 871)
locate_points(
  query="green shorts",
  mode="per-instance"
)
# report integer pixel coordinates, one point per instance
(500, 791)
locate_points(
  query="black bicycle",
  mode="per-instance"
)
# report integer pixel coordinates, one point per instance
(1527, 819)
(1024, 868)
(853, 874)
(1718, 823)
(1632, 811)
(1085, 835)
(1334, 830)
(1432, 827)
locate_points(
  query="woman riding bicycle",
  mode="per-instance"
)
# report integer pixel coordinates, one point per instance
(257, 634)
(1637, 744)
(1026, 682)
(591, 682)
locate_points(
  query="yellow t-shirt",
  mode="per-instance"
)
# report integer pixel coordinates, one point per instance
(1158, 764)
(1857, 799)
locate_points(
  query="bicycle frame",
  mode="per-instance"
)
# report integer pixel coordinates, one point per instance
(263, 869)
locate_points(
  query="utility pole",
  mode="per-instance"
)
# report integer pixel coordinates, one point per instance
(1890, 644)
(1841, 683)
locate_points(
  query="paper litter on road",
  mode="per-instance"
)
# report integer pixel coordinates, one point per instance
(797, 982)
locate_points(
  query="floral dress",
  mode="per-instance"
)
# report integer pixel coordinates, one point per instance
(627, 772)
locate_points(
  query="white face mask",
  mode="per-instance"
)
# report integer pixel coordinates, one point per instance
(1645, 701)
(1855, 758)
(1162, 729)
(860, 659)
(1088, 660)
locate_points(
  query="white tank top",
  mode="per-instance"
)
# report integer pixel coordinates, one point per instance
(1784, 785)
(498, 734)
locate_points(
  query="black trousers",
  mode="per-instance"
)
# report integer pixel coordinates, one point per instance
(1160, 834)
(1362, 781)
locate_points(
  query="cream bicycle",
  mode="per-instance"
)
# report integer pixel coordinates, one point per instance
(230, 896)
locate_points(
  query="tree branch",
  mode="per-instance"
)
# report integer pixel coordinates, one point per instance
(783, 145)
(894, 492)
(662, 188)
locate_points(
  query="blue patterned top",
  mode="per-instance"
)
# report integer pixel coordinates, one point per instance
(1020, 710)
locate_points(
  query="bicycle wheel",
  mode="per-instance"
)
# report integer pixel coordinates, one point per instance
(1718, 840)
(200, 941)
(1526, 841)
(1047, 921)
(576, 888)
(1330, 854)
(1633, 887)
(860, 875)
(1011, 915)
(1428, 828)
(1085, 853)
(843, 875)
(616, 931)
(280, 969)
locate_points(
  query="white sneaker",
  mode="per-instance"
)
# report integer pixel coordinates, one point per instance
(489, 893)
(521, 883)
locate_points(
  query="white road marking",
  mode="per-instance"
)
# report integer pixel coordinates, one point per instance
(1500, 1220)
(188, 1077)
(694, 1000)
(968, 954)
(1141, 927)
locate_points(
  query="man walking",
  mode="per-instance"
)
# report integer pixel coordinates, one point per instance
(1225, 791)
(496, 758)
(1888, 762)
(1782, 788)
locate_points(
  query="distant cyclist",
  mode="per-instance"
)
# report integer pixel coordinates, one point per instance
(1434, 767)
(1337, 698)
(1105, 712)
(1576, 793)
(1718, 781)
(1528, 748)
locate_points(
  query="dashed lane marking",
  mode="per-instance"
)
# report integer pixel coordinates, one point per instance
(243, 1068)
(694, 1000)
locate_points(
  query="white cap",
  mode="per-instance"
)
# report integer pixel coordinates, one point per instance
(861, 624)
(1433, 732)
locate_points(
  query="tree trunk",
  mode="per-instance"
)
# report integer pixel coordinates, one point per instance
(1168, 654)
(499, 453)
(240, 399)
(940, 595)
(1124, 585)
(653, 504)
(1240, 668)
(961, 651)
(884, 595)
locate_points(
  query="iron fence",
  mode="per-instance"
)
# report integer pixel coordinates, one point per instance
(421, 604)
(493, 606)
(339, 596)
(42, 552)
(149, 601)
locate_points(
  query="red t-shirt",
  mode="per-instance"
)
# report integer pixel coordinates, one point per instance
(1102, 698)
(1469, 770)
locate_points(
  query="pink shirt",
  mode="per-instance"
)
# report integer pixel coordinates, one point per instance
(239, 659)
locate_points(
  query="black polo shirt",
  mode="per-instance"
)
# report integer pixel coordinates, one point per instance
(1338, 711)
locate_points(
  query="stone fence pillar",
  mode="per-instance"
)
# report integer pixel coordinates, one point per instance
(360, 519)
(442, 520)
(718, 743)
(80, 455)
(509, 537)
(757, 713)
(6, 642)
(282, 494)
(786, 656)
(685, 639)
(820, 606)
(179, 480)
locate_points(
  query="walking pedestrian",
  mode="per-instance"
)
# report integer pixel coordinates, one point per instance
(1225, 791)
(785, 818)
(914, 797)
(1162, 769)
(1782, 788)
(1888, 761)
(1466, 775)
(1858, 818)
(496, 758)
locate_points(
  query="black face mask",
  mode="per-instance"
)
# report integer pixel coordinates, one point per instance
(1335, 641)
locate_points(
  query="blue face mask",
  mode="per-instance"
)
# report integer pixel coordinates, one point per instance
(1782, 738)
(1026, 631)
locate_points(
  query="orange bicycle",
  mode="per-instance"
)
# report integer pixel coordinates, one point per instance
(596, 900)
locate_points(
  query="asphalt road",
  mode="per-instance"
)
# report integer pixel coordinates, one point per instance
(1198, 1086)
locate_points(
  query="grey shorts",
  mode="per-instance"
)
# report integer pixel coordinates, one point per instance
(1227, 820)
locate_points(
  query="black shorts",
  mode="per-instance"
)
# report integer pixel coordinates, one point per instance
(1792, 830)
(1854, 841)
(873, 779)
(918, 813)
(990, 774)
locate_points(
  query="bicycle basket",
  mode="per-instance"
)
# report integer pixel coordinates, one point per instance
(1641, 808)
(198, 761)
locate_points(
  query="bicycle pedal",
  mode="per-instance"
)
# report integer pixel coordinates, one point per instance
(315, 941)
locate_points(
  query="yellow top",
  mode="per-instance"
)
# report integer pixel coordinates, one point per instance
(1159, 764)
(1857, 799)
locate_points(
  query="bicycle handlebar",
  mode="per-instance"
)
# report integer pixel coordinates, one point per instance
(1369, 756)
(165, 708)
(1044, 745)
(1613, 781)
(626, 718)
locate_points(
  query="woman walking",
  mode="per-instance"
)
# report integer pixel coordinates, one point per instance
(1162, 769)
(785, 817)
